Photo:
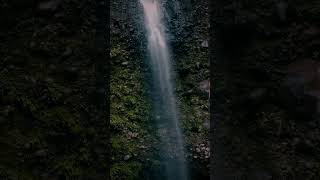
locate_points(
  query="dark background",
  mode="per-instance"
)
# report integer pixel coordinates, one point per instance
(265, 84)
(53, 84)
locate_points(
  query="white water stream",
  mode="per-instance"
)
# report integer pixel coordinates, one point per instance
(166, 111)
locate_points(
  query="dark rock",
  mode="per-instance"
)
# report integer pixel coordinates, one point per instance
(27, 145)
(300, 89)
(21, 4)
(52, 67)
(3, 119)
(71, 73)
(206, 124)
(11, 67)
(127, 157)
(49, 6)
(205, 86)
(282, 8)
(125, 63)
(305, 147)
(198, 65)
(59, 15)
(312, 31)
(67, 91)
(205, 44)
(309, 165)
(68, 52)
(258, 95)
(7, 111)
(189, 91)
(183, 72)
(32, 44)
(41, 153)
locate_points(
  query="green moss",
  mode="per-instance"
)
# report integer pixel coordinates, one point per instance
(125, 171)
(193, 103)
(117, 52)
(122, 145)
(118, 122)
(130, 112)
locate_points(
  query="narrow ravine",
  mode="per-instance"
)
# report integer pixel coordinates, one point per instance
(166, 113)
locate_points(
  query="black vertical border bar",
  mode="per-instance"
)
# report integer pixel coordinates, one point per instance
(213, 44)
(211, 40)
(102, 71)
(218, 72)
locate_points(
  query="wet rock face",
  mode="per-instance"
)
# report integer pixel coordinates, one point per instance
(301, 87)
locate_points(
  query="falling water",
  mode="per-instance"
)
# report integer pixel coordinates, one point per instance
(166, 111)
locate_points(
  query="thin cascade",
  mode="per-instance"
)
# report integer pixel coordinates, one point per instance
(166, 111)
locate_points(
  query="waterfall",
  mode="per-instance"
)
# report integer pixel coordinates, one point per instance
(164, 100)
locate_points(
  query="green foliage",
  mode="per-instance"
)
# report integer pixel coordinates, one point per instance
(121, 144)
(129, 113)
(125, 171)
